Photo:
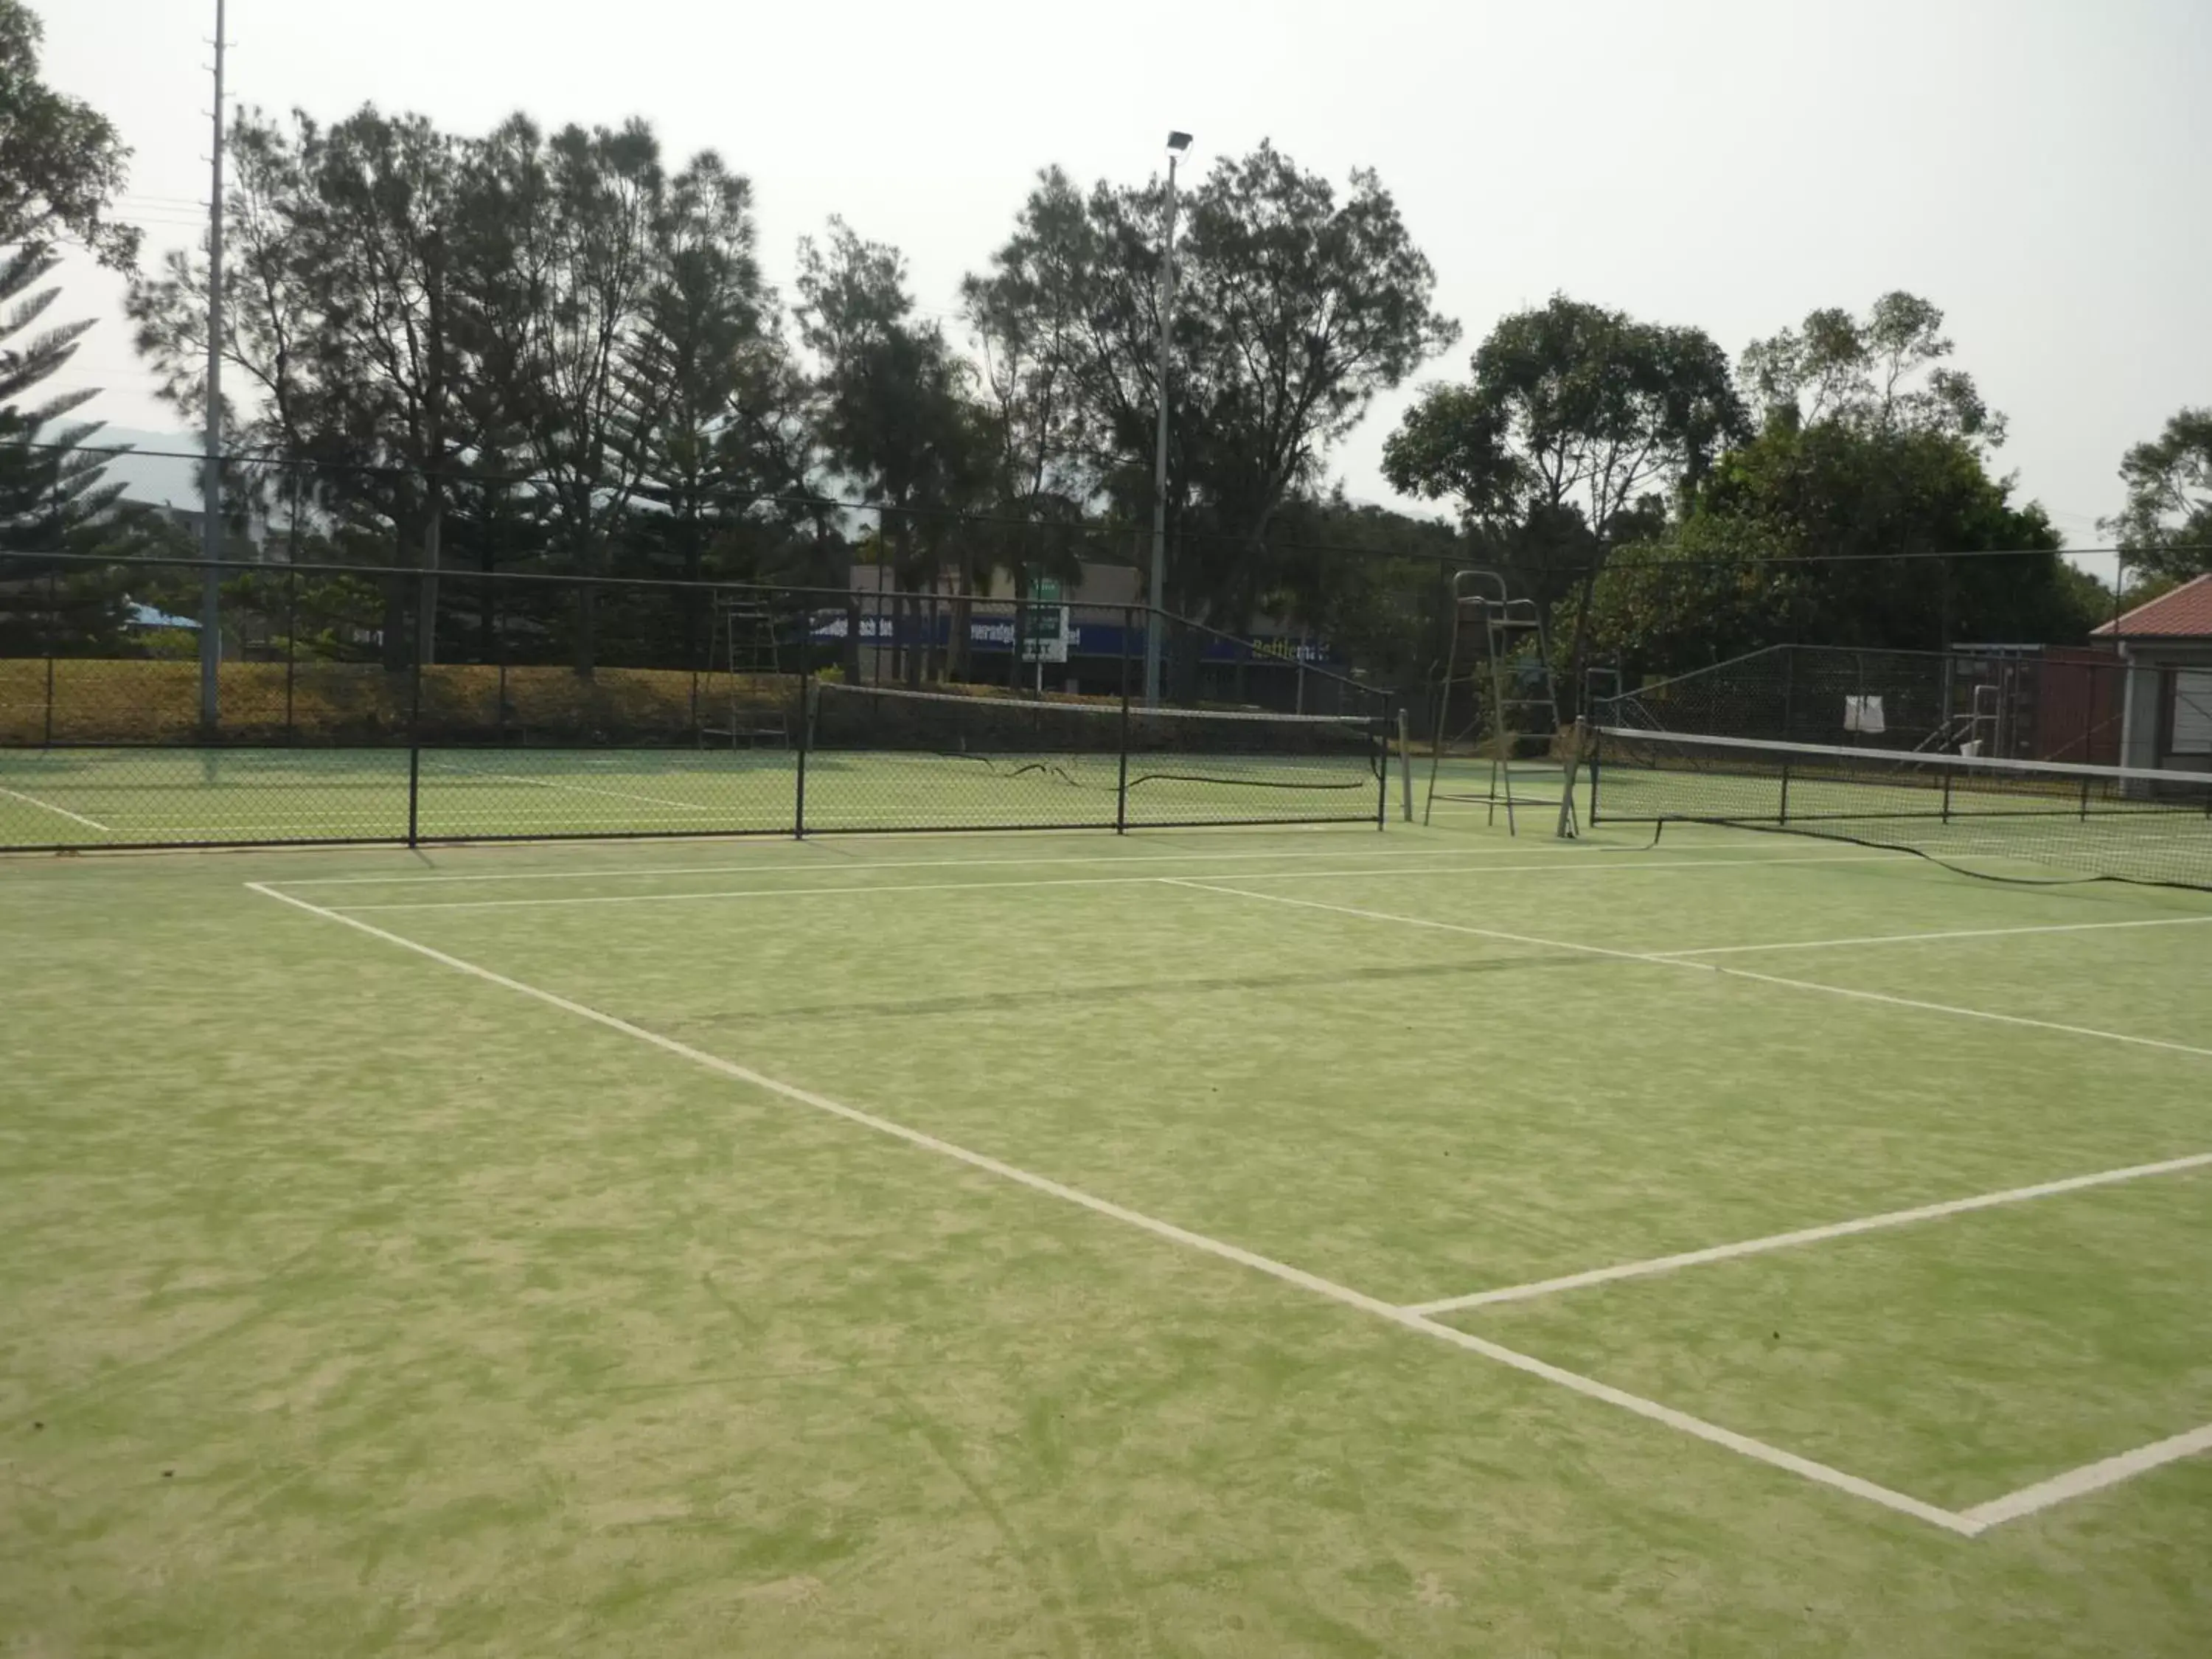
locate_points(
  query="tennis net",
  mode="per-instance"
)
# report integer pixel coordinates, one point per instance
(2001, 818)
(884, 758)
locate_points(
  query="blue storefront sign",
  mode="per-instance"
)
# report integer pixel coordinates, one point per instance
(990, 636)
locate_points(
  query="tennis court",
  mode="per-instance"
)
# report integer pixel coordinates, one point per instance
(1227, 1241)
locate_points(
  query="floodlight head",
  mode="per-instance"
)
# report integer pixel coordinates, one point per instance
(1178, 141)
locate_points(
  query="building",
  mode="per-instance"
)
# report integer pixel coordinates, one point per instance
(2167, 646)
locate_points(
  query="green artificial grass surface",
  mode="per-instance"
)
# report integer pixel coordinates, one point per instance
(356, 1303)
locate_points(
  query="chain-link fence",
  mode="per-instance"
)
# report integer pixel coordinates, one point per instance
(2041, 705)
(375, 703)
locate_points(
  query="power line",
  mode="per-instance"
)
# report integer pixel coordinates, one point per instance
(1086, 529)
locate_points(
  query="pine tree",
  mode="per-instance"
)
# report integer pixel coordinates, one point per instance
(52, 495)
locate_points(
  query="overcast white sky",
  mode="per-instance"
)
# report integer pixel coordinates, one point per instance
(2036, 167)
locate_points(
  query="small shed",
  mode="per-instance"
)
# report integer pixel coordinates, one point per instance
(2167, 646)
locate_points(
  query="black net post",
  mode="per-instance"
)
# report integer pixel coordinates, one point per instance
(1383, 761)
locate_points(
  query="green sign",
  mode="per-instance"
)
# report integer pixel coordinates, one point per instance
(1044, 622)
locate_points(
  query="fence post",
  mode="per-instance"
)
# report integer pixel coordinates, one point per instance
(805, 743)
(1122, 784)
(53, 628)
(1405, 761)
(291, 643)
(413, 793)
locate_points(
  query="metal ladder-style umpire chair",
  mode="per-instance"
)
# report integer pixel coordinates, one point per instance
(746, 643)
(1504, 690)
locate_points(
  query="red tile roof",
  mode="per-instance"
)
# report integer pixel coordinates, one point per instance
(2184, 614)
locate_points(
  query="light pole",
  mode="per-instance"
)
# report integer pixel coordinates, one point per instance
(1177, 143)
(211, 484)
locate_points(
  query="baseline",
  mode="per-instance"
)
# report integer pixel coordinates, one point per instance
(1663, 1264)
(48, 807)
(575, 788)
(1758, 1450)
(1549, 868)
(633, 873)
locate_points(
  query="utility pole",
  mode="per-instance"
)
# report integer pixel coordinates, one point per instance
(211, 481)
(1154, 624)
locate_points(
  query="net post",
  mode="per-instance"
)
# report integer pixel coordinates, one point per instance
(1122, 783)
(1578, 735)
(1382, 724)
(1782, 812)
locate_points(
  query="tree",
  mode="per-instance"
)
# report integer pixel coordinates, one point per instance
(62, 164)
(726, 446)
(268, 324)
(50, 485)
(893, 413)
(563, 281)
(1577, 418)
(1867, 372)
(1832, 534)
(2166, 528)
(61, 167)
(375, 242)
(1295, 306)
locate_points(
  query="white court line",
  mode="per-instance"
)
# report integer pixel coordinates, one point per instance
(1956, 932)
(2090, 1477)
(633, 873)
(1679, 961)
(1651, 1409)
(1663, 1264)
(48, 807)
(1550, 849)
(1547, 868)
(1966, 1014)
(575, 788)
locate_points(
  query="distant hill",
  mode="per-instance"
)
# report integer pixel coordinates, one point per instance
(150, 475)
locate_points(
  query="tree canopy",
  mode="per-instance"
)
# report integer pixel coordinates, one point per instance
(555, 347)
(1295, 304)
(62, 164)
(1883, 372)
(2166, 528)
(1833, 533)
